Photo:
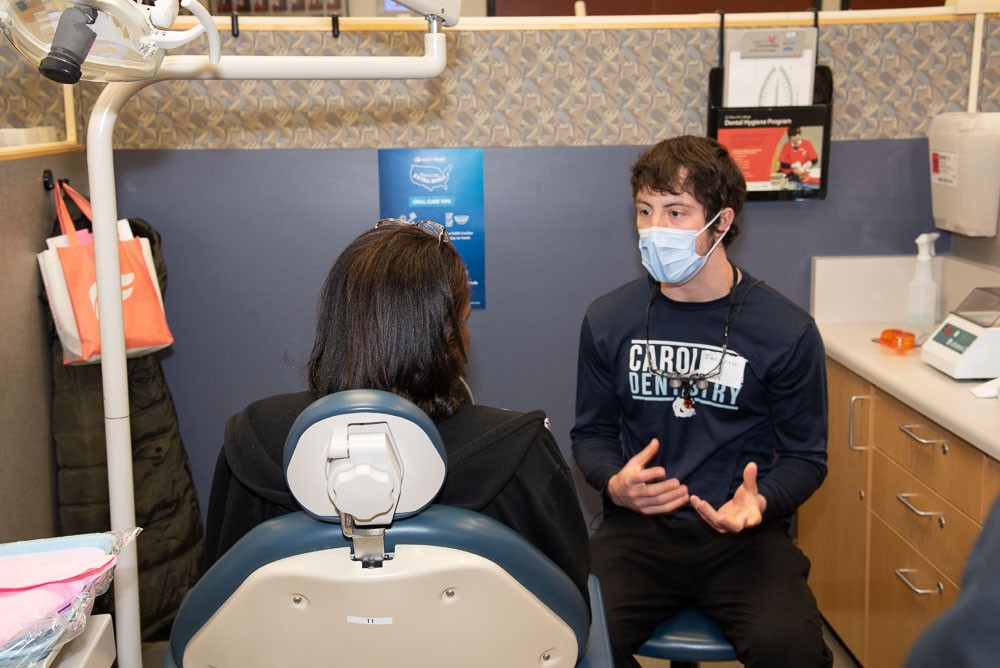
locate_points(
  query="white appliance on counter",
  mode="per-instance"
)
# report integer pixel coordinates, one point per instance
(966, 345)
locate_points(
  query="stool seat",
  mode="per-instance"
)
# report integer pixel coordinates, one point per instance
(688, 636)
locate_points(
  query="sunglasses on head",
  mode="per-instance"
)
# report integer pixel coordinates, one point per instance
(428, 226)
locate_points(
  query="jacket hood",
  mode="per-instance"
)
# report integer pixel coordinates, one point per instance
(485, 448)
(255, 444)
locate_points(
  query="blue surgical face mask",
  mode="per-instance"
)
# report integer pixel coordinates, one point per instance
(670, 255)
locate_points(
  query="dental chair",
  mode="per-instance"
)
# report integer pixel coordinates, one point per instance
(370, 573)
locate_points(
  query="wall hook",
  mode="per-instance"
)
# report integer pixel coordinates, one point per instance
(47, 179)
(234, 20)
(335, 25)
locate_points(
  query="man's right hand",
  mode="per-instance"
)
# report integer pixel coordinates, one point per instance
(646, 490)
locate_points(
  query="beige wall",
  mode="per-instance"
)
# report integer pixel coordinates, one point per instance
(27, 472)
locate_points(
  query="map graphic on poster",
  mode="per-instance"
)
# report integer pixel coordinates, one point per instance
(443, 185)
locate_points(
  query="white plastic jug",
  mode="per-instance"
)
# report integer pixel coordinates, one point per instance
(965, 172)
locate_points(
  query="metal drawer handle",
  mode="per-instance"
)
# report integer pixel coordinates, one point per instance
(908, 430)
(901, 574)
(850, 424)
(905, 500)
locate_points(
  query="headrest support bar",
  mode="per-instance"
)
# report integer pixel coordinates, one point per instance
(369, 543)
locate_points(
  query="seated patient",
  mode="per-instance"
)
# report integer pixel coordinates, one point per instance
(392, 316)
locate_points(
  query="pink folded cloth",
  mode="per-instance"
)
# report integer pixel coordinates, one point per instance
(36, 587)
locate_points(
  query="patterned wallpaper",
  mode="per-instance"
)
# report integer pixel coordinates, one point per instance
(524, 88)
(27, 99)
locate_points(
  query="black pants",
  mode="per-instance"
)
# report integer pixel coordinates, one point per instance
(752, 584)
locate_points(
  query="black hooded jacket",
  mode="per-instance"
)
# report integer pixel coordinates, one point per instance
(501, 463)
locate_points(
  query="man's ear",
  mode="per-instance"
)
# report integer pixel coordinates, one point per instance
(726, 219)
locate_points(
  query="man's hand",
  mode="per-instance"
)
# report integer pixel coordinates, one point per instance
(744, 510)
(646, 490)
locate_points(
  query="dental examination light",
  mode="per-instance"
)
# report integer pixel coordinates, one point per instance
(100, 40)
(122, 42)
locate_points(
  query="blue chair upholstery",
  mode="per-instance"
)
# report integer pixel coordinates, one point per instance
(598, 653)
(292, 592)
(687, 638)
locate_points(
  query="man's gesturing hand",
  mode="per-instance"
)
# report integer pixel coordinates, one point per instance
(744, 510)
(646, 490)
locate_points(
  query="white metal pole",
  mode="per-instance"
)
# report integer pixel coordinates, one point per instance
(974, 68)
(101, 172)
(100, 167)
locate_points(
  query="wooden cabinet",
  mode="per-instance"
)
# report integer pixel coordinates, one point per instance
(991, 485)
(907, 593)
(833, 523)
(889, 531)
(927, 509)
(945, 462)
(924, 519)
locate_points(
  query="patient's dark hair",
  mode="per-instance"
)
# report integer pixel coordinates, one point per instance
(699, 166)
(389, 319)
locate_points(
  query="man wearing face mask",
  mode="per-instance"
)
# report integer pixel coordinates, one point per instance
(701, 419)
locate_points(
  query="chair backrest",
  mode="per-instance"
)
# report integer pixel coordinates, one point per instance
(371, 573)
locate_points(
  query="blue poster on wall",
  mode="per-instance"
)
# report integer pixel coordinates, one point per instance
(444, 185)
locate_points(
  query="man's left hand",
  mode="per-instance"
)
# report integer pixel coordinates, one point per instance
(744, 510)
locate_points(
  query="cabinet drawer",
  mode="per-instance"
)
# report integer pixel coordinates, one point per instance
(944, 462)
(937, 529)
(898, 613)
(991, 485)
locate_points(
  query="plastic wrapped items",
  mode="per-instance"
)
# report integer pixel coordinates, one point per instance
(47, 589)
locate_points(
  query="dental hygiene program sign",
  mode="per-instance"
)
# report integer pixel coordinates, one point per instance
(444, 185)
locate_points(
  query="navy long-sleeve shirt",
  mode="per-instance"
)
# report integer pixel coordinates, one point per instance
(768, 404)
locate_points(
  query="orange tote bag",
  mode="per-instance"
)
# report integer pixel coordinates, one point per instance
(146, 327)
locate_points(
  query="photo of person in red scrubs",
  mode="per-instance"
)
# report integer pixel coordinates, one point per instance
(798, 158)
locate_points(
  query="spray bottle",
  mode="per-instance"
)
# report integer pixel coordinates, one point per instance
(923, 298)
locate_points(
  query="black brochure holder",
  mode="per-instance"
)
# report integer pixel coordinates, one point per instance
(756, 135)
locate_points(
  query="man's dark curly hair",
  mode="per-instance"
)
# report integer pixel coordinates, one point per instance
(699, 166)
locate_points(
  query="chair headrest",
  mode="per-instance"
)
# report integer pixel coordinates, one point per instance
(369, 454)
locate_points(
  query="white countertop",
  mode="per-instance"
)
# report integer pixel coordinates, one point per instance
(904, 376)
